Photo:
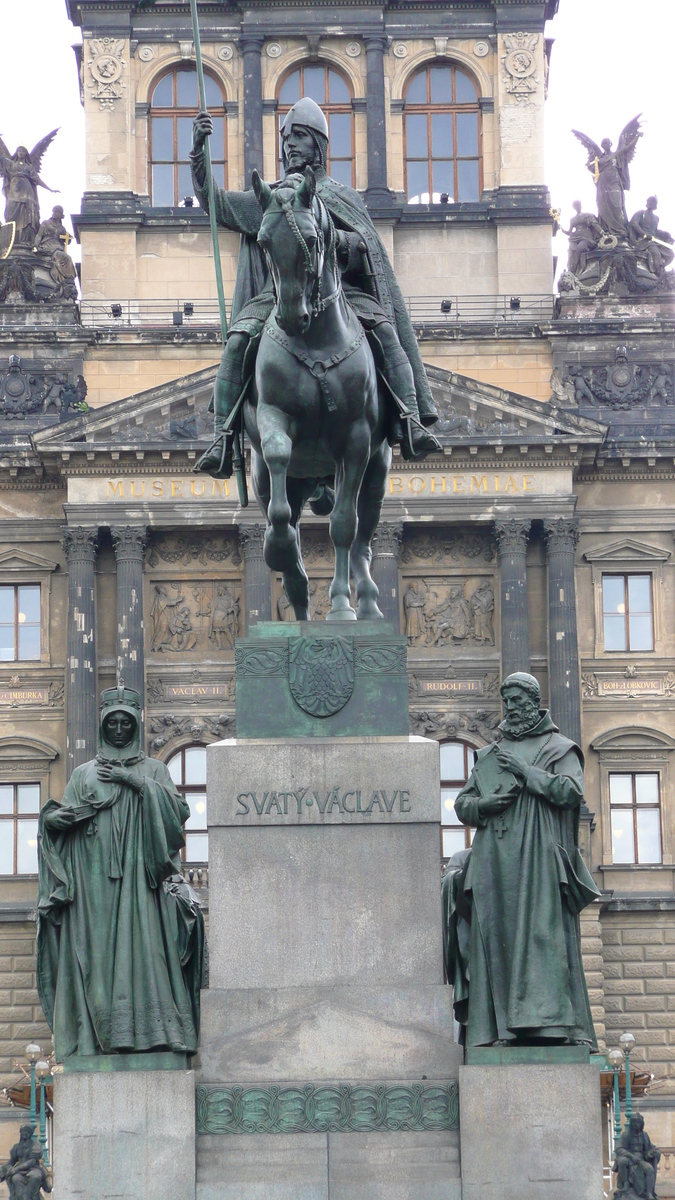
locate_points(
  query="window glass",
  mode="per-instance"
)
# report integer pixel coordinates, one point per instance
(29, 641)
(338, 91)
(623, 846)
(197, 818)
(615, 633)
(6, 847)
(465, 90)
(185, 137)
(6, 799)
(315, 84)
(443, 179)
(197, 848)
(640, 632)
(467, 135)
(613, 594)
(28, 797)
(454, 840)
(416, 134)
(185, 185)
(340, 136)
(6, 605)
(342, 171)
(26, 847)
(162, 139)
(417, 90)
(621, 789)
(467, 180)
(218, 172)
(186, 89)
(441, 135)
(6, 643)
(213, 94)
(29, 604)
(162, 97)
(175, 767)
(646, 789)
(639, 593)
(162, 186)
(649, 835)
(452, 760)
(195, 765)
(441, 85)
(290, 89)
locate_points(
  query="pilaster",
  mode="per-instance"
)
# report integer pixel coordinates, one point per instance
(562, 535)
(386, 545)
(129, 542)
(81, 707)
(512, 534)
(257, 582)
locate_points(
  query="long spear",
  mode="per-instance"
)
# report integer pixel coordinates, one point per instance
(239, 464)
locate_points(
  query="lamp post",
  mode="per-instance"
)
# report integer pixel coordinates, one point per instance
(615, 1059)
(627, 1041)
(43, 1071)
(33, 1053)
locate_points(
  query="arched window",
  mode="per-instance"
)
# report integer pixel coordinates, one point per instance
(457, 759)
(442, 136)
(187, 768)
(174, 104)
(331, 91)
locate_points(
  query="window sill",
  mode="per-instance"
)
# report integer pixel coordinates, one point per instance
(638, 867)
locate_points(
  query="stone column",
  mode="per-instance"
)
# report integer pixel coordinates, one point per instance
(81, 700)
(258, 580)
(512, 534)
(377, 191)
(129, 542)
(562, 535)
(251, 45)
(386, 545)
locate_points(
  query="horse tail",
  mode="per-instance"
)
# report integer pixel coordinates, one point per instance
(322, 500)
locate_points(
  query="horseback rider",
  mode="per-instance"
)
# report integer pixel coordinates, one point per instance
(368, 280)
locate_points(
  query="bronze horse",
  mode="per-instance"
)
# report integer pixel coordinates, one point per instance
(314, 418)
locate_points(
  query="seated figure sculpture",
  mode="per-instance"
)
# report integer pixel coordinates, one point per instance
(25, 1173)
(511, 903)
(636, 1162)
(120, 934)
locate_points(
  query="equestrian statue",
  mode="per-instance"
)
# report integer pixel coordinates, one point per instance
(321, 361)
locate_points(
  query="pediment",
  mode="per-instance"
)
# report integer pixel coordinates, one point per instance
(176, 414)
(26, 750)
(626, 549)
(633, 737)
(15, 559)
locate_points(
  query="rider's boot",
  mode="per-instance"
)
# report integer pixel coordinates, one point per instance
(217, 460)
(414, 439)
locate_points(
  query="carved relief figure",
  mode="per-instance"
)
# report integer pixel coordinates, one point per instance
(482, 607)
(581, 389)
(25, 1173)
(161, 614)
(453, 618)
(21, 179)
(285, 608)
(183, 636)
(224, 626)
(413, 608)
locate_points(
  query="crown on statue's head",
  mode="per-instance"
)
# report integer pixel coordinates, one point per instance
(121, 695)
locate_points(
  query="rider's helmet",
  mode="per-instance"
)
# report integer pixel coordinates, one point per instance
(307, 113)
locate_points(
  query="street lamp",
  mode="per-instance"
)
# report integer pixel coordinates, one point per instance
(627, 1041)
(43, 1071)
(33, 1053)
(615, 1059)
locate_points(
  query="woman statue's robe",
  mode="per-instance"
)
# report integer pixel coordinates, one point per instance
(521, 888)
(120, 943)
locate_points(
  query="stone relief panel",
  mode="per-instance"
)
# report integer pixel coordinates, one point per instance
(623, 384)
(441, 611)
(519, 64)
(194, 616)
(452, 545)
(106, 67)
(202, 548)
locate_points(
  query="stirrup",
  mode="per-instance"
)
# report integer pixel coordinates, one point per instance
(222, 446)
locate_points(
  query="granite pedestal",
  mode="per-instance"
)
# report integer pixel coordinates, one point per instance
(328, 1066)
(123, 1131)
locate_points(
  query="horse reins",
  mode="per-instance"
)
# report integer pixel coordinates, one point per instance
(318, 305)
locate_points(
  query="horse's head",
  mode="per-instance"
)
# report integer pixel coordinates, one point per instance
(294, 245)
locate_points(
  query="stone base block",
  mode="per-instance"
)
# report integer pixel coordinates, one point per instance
(333, 1166)
(531, 1132)
(124, 1135)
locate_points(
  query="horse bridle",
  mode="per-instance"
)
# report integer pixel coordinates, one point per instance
(319, 305)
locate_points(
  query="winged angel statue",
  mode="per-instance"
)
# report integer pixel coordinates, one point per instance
(609, 169)
(21, 179)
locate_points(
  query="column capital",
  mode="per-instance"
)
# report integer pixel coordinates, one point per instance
(252, 538)
(129, 540)
(562, 535)
(388, 538)
(376, 41)
(512, 534)
(251, 43)
(79, 543)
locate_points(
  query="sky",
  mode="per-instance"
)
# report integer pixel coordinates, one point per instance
(611, 60)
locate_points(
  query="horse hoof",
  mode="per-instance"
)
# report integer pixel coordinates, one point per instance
(341, 614)
(281, 548)
(369, 612)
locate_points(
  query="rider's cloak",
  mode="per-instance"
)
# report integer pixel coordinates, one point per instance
(241, 212)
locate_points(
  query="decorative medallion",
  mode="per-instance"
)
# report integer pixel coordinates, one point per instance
(273, 50)
(321, 674)
(146, 53)
(353, 49)
(520, 64)
(481, 49)
(401, 50)
(226, 53)
(106, 66)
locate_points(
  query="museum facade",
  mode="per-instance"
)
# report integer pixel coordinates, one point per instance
(542, 538)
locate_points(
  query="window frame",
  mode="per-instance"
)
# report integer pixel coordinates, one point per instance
(15, 817)
(643, 750)
(328, 108)
(628, 557)
(185, 789)
(626, 575)
(174, 112)
(456, 783)
(634, 807)
(17, 623)
(429, 108)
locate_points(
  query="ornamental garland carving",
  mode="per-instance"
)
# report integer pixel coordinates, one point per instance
(519, 65)
(168, 727)
(106, 67)
(341, 1108)
(190, 548)
(441, 725)
(457, 545)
